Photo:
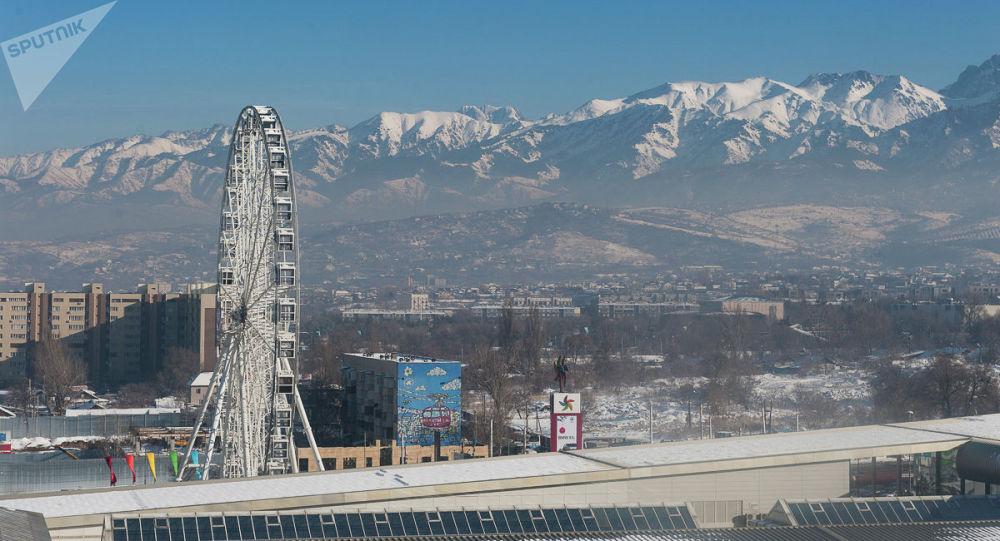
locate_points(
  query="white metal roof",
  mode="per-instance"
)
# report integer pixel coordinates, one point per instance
(127, 499)
(203, 379)
(789, 443)
(979, 426)
(502, 473)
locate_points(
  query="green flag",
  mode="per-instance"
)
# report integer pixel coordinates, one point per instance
(173, 460)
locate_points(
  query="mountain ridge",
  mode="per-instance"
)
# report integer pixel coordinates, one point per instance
(835, 137)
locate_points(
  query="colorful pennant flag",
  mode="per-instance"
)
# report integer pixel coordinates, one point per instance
(173, 460)
(194, 460)
(113, 478)
(130, 460)
(151, 459)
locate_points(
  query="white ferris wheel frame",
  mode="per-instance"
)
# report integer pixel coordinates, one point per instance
(253, 387)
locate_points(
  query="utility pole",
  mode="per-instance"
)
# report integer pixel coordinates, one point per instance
(524, 433)
(701, 420)
(650, 420)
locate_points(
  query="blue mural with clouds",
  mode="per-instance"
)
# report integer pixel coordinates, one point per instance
(429, 400)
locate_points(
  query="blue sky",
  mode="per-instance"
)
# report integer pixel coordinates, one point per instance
(153, 66)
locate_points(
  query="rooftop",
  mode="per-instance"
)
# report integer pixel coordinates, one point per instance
(400, 357)
(512, 472)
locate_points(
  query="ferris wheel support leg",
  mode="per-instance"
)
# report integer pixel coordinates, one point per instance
(210, 444)
(308, 428)
(212, 387)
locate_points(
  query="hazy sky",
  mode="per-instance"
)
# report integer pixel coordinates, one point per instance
(155, 66)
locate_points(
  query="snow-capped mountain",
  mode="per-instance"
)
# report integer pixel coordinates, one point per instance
(976, 84)
(833, 136)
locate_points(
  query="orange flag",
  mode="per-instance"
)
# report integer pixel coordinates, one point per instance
(130, 460)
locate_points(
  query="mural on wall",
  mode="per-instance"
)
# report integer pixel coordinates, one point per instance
(430, 400)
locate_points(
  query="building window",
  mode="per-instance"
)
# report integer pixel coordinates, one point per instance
(329, 464)
(350, 463)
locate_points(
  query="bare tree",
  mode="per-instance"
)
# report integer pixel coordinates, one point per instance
(20, 396)
(507, 329)
(534, 339)
(686, 393)
(323, 361)
(58, 371)
(490, 371)
(181, 365)
(136, 395)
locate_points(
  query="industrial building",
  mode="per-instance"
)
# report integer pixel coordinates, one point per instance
(407, 398)
(779, 486)
(121, 337)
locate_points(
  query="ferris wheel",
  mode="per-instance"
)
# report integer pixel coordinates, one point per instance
(253, 388)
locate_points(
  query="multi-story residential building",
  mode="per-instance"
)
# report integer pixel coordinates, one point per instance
(545, 307)
(770, 309)
(121, 337)
(613, 309)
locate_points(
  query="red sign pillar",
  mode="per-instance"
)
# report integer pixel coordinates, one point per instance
(567, 422)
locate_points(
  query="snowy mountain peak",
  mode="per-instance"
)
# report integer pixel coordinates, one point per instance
(873, 101)
(977, 83)
(720, 98)
(491, 113)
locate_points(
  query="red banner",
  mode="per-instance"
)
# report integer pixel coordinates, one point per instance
(113, 478)
(130, 460)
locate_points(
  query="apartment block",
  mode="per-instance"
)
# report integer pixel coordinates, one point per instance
(121, 337)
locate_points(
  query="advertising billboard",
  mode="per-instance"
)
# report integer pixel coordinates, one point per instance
(567, 421)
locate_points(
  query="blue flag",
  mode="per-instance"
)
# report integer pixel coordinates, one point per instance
(194, 460)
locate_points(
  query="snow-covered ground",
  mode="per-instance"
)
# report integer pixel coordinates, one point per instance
(625, 414)
(41, 444)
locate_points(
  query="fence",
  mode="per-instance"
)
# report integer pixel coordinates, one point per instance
(54, 471)
(88, 425)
